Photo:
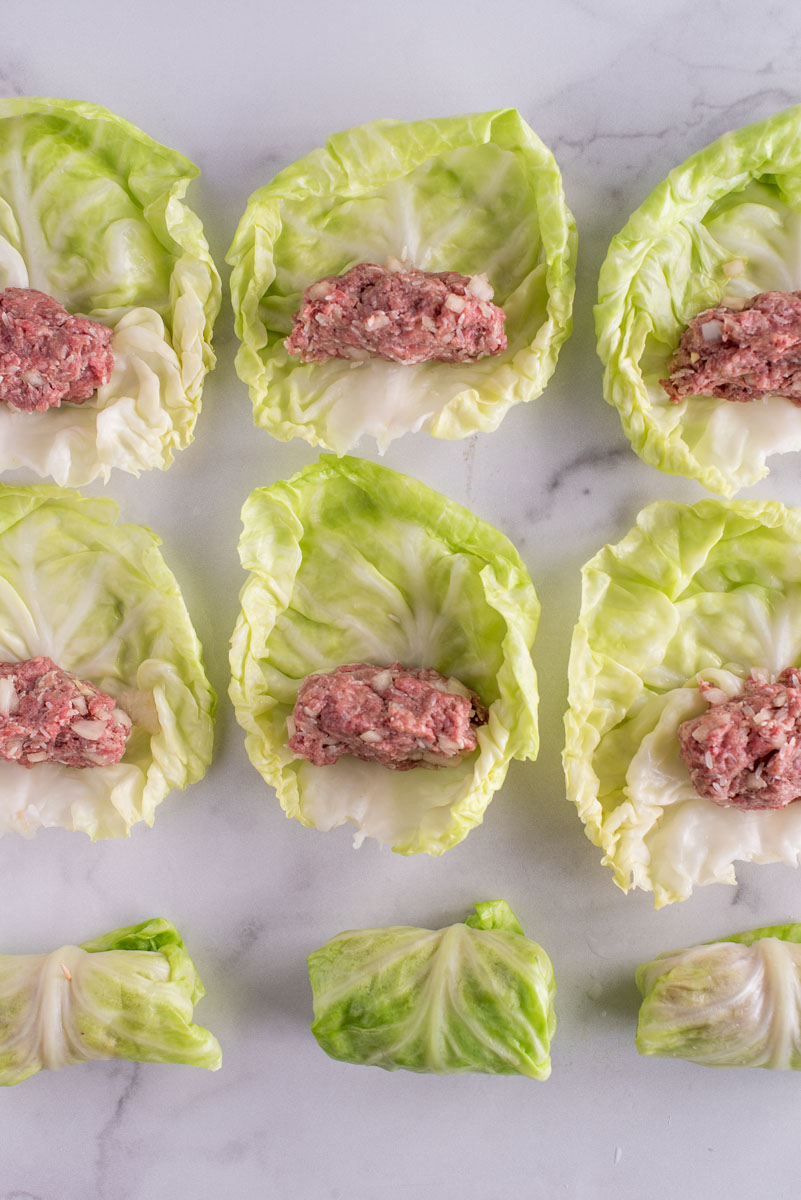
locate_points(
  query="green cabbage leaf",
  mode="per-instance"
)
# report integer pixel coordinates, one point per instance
(731, 1003)
(477, 996)
(351, 562)
(710, 591)
(129, 994)
(92, 213)
(723, 226)
(472, 194)
(97, 598)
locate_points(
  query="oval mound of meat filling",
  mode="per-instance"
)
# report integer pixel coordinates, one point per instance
(746, 751)
(741, 354)
(46, 354)
(48, 715)
(404, 315)
(398, 717)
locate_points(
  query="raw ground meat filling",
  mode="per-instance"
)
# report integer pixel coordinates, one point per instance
(747, 751)
(741, 355)
(406, 316)
(47, 715)
(397, 717)
(47, 355)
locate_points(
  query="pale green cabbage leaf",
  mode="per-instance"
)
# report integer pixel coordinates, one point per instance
(734, 206)
(472, 194)
(710, 591)
(351, 562)
(732, 1003)
(92, 212)
(97, 598)
(477, 996)
(129, 994)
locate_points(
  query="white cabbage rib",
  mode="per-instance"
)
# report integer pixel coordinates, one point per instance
(51, 994)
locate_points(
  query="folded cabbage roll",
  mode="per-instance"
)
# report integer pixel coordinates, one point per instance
(476, 996)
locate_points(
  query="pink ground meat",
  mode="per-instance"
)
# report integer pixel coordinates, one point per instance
(47, 355)
(746, 751)
(406, 316)
(741, 355)
(47, 715)
(390, 715)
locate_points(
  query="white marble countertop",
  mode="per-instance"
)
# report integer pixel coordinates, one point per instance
(621, 91)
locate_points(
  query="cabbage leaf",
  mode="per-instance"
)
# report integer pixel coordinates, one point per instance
(471, 194)
(723, 226)
(97, 598)
(92, 213)
(731, 1003)
(129, 994)
(351, 562)
(710, 591)
(476, 996)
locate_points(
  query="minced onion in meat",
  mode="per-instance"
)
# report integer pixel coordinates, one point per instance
(480, 287)
(712, 331)
(91, 730)
(319, 290)
(380, 683)
(9, 702)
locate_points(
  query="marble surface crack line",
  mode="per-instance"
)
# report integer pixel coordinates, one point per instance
(107, 1183)
(591, 458)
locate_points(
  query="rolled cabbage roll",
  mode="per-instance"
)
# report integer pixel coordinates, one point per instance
(730, 1003)
(129, 994)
